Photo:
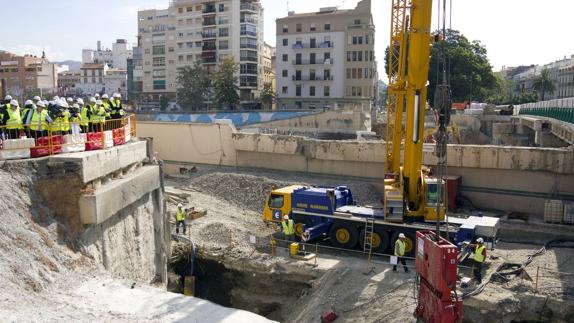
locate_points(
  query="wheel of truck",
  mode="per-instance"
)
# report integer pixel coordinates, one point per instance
(409, 242)
(343, 235)
(380, 240)
(300, 221)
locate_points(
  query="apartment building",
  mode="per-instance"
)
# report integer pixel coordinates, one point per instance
(20, 75)
(565, 86)
(326, 59)
(205, 31)
(116, 57)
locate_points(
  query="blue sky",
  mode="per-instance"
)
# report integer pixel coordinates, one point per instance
(514, 31)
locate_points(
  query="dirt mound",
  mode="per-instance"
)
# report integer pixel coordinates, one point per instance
(250, 191)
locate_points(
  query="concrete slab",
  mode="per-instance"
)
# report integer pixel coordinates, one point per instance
(118, 194)
(99, 163)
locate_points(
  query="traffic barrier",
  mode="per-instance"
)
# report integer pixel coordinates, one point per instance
(25, 143)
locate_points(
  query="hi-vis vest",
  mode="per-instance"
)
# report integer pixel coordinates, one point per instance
(478, 256)
(84, 115)
(399, 248)
(14, 119)
(117, 107)
(179, 215)
(288, 228)
(65, 126)
(98, 114)
(38, 122)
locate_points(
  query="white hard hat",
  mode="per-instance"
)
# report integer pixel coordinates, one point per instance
(28, 102)
(105, 96)
(117, 95)
(401, 235)
(41, 104)
(64, 104)
(80, 101)
(36, 98)
(480, 240)
(93, 100)
(14, 102)
(99, 102)
(97, 95)
(8, 98)
(45, 102)
(180, 205)
(286, 217)
(75, 106)
(69, 99)
(56, 98)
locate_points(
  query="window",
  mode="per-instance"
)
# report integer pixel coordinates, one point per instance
(326, 91)
(285, 73)
(221, 7)
(158, 74)
(297, 75)
(359, 73)
(348, 56)
(312, 75)
(285, 42)
(299, 28)
(311, 91)
(285, 57)
(223, 44)
(355, 40)
(189, 9)
(223, 32)
(359, 91)
(298, 90)
(353, 73)
(348, 73)
(357, 21)
(179, 10)
(284, 90)
(354, 56)
(159, 61)
(366, 56)
(159, 84)
(366, 73)
(360, 58)
(180, 59)
(170, 49)
(147, 51)
(189, 58)
(327, 27)
(353, 91)
(313, 27)
(326, 56)
(189, 44)
(367, 39)
(360, 38)
(313, 43)
(285, 29)
(312, 58)
(158, 50)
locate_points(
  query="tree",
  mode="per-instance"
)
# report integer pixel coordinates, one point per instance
(543, 84)
(267, 96)
(468, 69)
(193, 87)
(163, 103)
(225, 83)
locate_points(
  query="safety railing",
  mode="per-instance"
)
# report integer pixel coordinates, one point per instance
(40, 140)
(560, 109)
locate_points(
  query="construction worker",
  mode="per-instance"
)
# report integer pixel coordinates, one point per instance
(7, 100)
(83, 115)
(400, 252)
(288, 228)
(29, 106)
(479, 255)
(65, 126)
(97, 117)
(89, 108)
(179, 218)
(117, 107)
(36, 99)
(75, 119)
(38, 120)
(12, 119)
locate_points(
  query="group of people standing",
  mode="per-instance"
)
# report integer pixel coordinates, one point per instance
(60, 115)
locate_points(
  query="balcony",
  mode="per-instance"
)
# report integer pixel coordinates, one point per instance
(208, 35)
(248, 46)
(328, 61)
(249, 72)
(248, 59)
(209, 22)
(209, 9)
(208, 47)
(309, 78)
(248, 7)
(248, 33)
(248, 20)
(326, 44)
(210, 60)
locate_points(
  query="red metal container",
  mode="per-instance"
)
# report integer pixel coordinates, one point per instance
(453, 185)
(94, 141)
(119, 136)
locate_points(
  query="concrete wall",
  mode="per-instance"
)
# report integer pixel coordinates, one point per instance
(342, 120)
(507, 178)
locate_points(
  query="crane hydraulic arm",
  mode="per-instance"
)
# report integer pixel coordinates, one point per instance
(409, 60)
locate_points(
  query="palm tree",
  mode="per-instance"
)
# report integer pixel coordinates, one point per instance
(543, 84)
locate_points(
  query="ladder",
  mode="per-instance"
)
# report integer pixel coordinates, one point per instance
(368, 243)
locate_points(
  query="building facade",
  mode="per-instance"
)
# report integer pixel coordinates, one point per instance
(67, 81)
(565, 85)
(558, 73)
(22, 75)
(326, 59)
(205, 31)
(92, 78)
(116, 57)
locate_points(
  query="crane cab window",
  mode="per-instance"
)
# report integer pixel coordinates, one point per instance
(432, 194)
(276, 201)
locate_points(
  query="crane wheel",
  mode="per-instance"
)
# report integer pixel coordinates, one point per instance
(380, 240)
(409, 242)
(343, 235)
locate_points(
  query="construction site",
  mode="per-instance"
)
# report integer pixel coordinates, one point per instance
(414, 212)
